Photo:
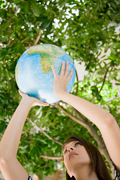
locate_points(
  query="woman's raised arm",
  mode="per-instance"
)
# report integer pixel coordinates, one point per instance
(10, 167)
(100, 117)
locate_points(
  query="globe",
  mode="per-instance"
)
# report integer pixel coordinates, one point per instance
(33, 72)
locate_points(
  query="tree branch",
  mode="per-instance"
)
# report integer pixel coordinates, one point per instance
(25, 39)
(38, 38)
(52, 157)
(70, 115)
(104, 78)
(44, 132)
(27, 47)
(36, 41)
(102, 83)
(93, 98)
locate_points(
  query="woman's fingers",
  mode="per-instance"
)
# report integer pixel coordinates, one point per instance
(37, 102)
(64, 72)
(41, 103)
(20, 92)
(67, 69)
(70, 75)
(62, 69)
(54, 71)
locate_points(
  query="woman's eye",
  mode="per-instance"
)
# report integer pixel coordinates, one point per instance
(77, 143)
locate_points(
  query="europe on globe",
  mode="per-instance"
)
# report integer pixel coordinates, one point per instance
(33, 72)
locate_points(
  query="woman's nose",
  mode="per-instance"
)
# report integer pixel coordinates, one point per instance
(70, 149)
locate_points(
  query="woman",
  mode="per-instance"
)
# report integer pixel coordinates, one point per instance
(78, 159)
(85, 160)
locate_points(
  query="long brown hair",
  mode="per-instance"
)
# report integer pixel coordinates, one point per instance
(97, 162)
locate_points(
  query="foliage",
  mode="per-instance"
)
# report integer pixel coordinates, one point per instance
(86, 34)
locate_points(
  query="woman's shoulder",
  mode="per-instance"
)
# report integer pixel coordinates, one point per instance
(116, 173)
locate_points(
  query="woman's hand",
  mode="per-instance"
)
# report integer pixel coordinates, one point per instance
(33, 101)
(61, 81)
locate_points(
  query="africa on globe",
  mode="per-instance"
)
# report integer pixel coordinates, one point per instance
(33, 72)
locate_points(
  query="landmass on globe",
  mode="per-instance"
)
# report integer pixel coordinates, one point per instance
(48, 55)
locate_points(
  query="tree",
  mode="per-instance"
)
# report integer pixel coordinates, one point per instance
(25, 23)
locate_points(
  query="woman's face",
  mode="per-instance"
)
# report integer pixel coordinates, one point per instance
(75, 156)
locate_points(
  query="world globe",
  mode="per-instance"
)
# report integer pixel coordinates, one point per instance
(33, 72)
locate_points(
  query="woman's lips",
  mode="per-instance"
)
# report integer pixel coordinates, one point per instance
(72, 154)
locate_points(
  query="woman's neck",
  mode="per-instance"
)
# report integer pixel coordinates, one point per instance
(83, 173)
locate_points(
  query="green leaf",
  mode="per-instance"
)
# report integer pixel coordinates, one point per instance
(45, 24)
(4, 114)
(99, 97)
(20, 48)
(94, 90)
(4, 25)
(18, 27)
(2, 126)
(34, 151)
(103, 56)
(35, 8)
(115, 90)
(106, 47)
(60, 15)
(27, 7)
(41, 174)
(70, 2)
(41, 18)
(49, 27)
(16, 1)
(59, 42)
(1, 103)
(3, 50)
(113, 50)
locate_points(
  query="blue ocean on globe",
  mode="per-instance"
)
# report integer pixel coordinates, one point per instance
(34, 75)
